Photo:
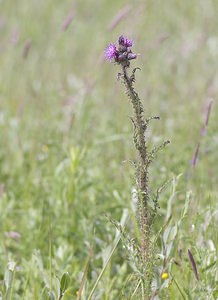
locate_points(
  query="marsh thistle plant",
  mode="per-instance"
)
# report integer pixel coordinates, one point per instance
(147, 204)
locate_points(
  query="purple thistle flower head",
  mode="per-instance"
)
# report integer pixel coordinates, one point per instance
(122, 54)
(110, 52)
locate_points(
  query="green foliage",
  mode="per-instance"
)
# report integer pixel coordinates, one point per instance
(65, 134)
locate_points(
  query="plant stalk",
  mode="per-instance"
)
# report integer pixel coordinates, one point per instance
(142, 179)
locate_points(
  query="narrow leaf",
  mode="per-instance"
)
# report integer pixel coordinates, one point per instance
(194, 267)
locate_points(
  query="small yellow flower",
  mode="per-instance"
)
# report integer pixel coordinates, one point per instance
(165, 275)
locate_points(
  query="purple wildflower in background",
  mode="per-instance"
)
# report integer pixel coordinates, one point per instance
(110, 52)
(123, 54)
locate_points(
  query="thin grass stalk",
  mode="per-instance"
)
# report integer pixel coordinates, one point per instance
(104, 267)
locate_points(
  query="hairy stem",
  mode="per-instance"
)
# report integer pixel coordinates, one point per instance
(142, 176)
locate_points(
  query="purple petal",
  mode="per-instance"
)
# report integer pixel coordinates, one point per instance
(110, 52)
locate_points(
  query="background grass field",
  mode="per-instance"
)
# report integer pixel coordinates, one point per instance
(66, 139)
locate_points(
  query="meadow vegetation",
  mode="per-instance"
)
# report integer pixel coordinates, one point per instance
(66, 181)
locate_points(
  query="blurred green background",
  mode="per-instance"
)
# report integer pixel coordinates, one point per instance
(66, 137)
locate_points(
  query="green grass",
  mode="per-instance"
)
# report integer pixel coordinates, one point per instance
(66, 140)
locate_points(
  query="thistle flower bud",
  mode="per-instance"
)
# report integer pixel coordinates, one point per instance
(131, 56)
(125, 41)
(122, 48)
(122, 57)
(121, 40)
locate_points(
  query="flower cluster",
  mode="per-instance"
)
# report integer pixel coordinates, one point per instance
(121, 55)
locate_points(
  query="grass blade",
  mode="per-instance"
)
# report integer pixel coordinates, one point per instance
(104, 268)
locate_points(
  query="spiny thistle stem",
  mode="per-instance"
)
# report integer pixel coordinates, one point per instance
(145, 213)
(142, 169)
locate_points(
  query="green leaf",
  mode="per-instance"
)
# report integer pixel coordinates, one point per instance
(69, 294)
(65, 282)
